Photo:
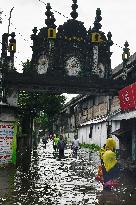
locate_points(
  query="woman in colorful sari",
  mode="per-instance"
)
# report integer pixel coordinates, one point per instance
(111, 170)
(103, 174)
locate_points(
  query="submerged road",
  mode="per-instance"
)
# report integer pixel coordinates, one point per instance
(42, 179)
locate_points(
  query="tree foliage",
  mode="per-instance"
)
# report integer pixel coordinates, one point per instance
(39, 105)
(35, 102)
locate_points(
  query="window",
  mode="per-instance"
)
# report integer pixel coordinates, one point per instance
(91, 129)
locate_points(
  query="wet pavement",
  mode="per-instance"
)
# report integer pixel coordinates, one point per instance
(42, 179)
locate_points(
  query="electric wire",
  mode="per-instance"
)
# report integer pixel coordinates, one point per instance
(59, 14)
(54, 10)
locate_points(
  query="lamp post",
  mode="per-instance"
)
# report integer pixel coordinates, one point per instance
(109, 122)
(109, 127)
(125, 58)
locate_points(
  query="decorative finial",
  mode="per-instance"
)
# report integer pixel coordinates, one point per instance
(110, 42)
(52, 20)
(34, 30)
(74, 13)
(125, 58)
(48, 13)
(12, 35)
(34, 33)
(126, 53)
(98, 18)
(126, 45)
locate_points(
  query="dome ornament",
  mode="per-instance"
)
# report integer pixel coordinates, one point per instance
(96, 34)
(50, 17)
(50, 22)
(110, 42)
(74, 13)
(98, 18)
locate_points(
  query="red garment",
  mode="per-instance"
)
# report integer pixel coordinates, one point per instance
(113, 183)
(99, 178)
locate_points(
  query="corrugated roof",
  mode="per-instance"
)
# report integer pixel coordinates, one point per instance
(94, 121)
(120, 66)
(124, 116)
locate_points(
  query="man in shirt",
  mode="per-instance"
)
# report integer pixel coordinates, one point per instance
(75, 145)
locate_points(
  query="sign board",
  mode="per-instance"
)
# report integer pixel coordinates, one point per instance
(127, 97)
(7, 143)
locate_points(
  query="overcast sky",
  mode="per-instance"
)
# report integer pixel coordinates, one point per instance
(118, 16)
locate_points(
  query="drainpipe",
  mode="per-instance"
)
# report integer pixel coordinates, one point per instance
(109, 121)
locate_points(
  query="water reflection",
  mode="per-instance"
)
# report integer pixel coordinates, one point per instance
(41, 178)
(6, 181)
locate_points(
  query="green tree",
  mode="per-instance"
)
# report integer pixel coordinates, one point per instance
(31, 105)
(41, 106)
(27, 67)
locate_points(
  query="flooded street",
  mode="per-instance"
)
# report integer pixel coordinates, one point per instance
(41, 178)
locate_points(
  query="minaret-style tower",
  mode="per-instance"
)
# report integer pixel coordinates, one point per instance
(96, 39)
(51, 38)
(12, 49)
(72, 51)
(50, 23)
(125, 58)
(109, 53)
(100, 48)
(43, 44)
(74, 13)
(34, 38)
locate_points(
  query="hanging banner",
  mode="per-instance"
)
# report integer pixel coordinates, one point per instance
(127, 97)
(7, 143)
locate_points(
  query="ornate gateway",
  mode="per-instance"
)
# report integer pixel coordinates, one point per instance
(69, 59)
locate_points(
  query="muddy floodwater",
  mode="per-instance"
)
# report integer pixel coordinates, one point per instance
(40, 178)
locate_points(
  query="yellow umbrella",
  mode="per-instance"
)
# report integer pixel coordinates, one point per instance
(109, 159)
(110, 144)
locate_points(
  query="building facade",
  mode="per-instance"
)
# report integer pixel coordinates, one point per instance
(89, 116)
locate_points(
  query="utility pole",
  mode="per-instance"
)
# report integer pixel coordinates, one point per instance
(0, 17)
(5, 60)
(10, 18)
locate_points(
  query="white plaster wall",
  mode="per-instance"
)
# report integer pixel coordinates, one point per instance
(70, 136)
(103, 134)
(88, 140)
(72, 121)
(99, 134)
(116, 126)
(98, 130)
(81, 135)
